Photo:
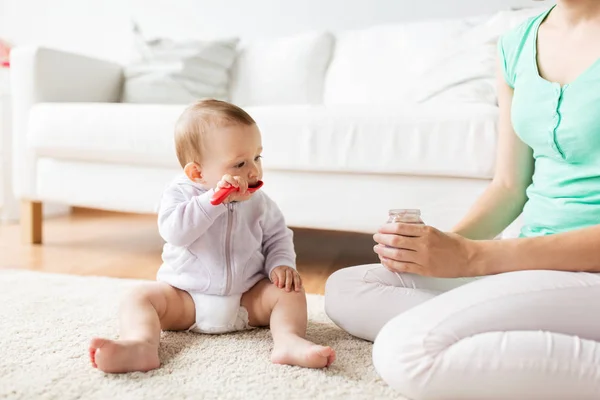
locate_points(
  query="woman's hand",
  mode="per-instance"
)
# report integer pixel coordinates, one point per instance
(423, 250)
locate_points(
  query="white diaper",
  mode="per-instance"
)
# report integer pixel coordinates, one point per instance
(219, 314)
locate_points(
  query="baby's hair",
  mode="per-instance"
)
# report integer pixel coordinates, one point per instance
(193, 125)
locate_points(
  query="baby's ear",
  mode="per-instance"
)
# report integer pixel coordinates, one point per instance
(193, 172)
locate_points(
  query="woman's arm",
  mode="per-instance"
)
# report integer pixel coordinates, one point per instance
(424, 250)
(503, 200)
(577, 250)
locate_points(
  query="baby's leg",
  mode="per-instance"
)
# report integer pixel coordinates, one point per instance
(144, 312)
(285, 312)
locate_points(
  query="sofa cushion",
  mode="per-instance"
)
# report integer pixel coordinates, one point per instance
(165, 71)
(419, 62)
(286, 70)
(420, 140)
(385, 64)
(457, 141)
(135, 134)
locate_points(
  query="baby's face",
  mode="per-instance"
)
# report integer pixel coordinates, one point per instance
(234, 150)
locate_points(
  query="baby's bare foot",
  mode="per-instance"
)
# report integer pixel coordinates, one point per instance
(298, 351)
(117, 356)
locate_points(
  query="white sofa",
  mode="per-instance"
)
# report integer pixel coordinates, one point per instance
(354, 123)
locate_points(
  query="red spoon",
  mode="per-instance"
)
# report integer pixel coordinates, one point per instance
(222, 193)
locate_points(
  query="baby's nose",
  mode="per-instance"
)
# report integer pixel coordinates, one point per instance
(253, 172)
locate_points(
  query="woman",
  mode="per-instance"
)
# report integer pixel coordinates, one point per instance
(529, 327)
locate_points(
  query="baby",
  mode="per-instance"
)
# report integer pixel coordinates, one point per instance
(217, 260)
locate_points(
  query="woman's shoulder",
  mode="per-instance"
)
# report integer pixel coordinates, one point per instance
(515, 37)
(514, 41)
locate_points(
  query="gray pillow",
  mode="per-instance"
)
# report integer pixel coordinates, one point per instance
(169, 72)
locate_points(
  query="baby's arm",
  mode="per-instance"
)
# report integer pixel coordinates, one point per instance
(183, 219)
(278, 243)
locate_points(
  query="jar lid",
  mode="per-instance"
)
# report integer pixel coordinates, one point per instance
(396, 211)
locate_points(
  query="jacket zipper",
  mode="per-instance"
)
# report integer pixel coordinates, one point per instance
(228, 247)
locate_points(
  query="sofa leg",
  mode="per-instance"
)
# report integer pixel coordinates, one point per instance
(31, 221)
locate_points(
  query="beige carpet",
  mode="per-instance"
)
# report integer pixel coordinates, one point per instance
(46, 322)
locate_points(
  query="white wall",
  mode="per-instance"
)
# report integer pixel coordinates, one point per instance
(101, 27)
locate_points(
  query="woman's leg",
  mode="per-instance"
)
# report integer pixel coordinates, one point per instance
(362, 299)
(520, 335)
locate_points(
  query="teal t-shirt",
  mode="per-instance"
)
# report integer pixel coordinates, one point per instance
(561, 124)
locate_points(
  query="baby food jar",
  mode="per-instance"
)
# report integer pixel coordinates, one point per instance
(405, 215)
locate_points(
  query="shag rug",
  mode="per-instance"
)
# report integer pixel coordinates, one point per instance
(47, 320)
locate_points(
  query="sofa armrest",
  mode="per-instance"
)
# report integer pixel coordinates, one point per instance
(41, 75)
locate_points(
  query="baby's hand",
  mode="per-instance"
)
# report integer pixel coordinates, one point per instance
(237, 182)
(286, 277)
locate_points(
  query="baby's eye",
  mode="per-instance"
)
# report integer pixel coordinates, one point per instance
(240, 165)
(257, 158)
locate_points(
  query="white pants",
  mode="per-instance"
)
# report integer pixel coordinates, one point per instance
(522, 335)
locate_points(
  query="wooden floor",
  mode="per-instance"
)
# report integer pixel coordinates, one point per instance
(119, 245)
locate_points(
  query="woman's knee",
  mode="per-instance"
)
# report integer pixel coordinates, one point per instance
(401, 358)
(348, 301)
(338, 289)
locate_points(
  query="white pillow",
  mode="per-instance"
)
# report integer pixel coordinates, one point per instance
(168, 72)
(287, 70)
(382, 64)
(466, 67)
(418, 62)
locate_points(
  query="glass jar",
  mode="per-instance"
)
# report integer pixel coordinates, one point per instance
(405, 215)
